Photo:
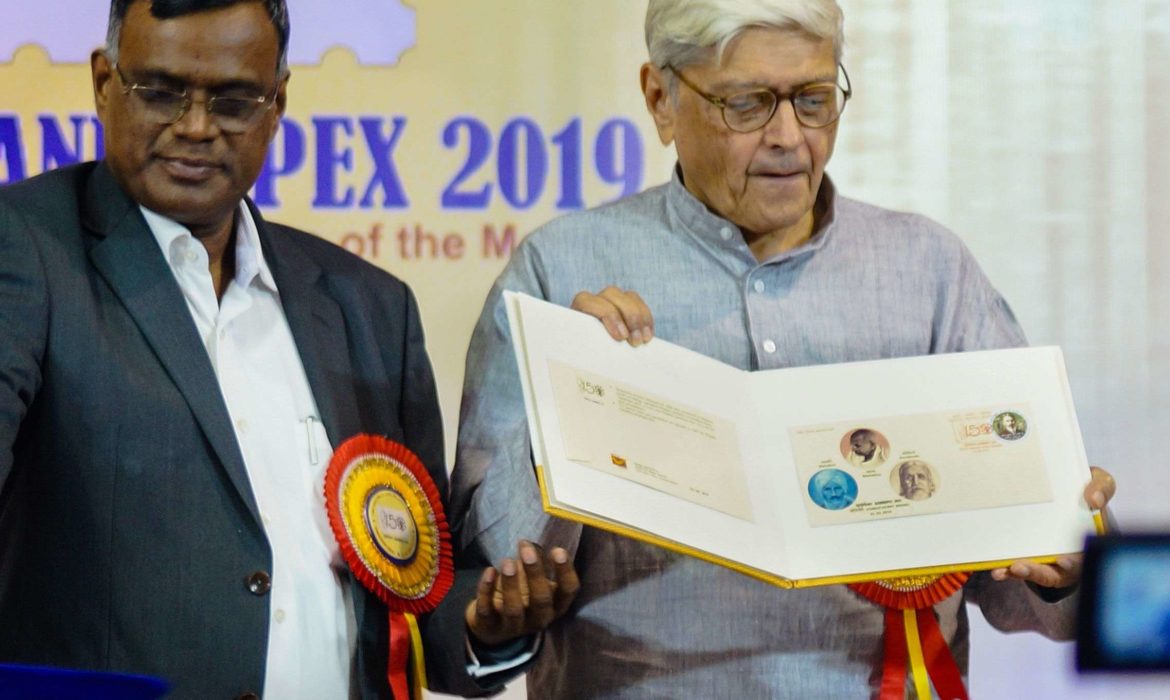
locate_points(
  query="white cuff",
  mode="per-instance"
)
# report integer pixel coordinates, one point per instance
(478, 670)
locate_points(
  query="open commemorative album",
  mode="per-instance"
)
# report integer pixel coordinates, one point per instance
(810, 475)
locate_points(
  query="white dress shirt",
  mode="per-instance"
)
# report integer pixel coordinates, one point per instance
(312, 629)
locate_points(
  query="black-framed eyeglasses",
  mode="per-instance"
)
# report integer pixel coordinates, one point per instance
(232, 114)
(816, 105)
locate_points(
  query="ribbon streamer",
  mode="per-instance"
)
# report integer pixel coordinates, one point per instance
(399, 661)
(917, 662)
(944, 672)
(406, 669)
(893, 659)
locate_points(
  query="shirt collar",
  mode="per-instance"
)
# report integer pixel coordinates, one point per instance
(709, 226)
(175, 240)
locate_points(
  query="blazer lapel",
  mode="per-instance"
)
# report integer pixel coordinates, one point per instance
(129, 259)
(318, 328)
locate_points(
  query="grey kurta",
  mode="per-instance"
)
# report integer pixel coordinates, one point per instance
(870, 284)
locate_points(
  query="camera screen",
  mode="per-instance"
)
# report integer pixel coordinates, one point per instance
(1124, 623)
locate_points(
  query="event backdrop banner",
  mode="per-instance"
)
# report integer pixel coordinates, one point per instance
(427, 137)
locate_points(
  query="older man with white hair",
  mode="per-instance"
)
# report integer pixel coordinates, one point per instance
(750, 256)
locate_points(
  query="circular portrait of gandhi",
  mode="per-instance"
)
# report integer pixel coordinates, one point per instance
(865, 447)
(914, 480)
(1009, 425)
(832, 489)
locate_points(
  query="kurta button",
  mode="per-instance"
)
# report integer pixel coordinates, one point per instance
(259, 582)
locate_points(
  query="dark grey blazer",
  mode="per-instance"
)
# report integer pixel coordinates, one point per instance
(128, 529)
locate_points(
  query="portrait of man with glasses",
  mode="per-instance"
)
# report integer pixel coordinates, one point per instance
(749, 255)
(175, 372)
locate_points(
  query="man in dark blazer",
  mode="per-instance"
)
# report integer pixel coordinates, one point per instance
(131, 538)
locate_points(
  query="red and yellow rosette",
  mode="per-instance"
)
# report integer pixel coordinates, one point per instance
(387, 516)
(912, 635)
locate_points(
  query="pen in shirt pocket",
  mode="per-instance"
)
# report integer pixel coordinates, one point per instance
(314, 457)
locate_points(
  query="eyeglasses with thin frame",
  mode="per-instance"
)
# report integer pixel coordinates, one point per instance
(233, 115)
(816, 105)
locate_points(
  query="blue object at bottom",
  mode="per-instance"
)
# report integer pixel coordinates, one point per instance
(37, 683)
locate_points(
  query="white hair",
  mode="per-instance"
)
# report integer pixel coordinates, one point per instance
(825, 477)
(685, 32)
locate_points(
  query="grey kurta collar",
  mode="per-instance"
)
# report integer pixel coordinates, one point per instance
(694, 216)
